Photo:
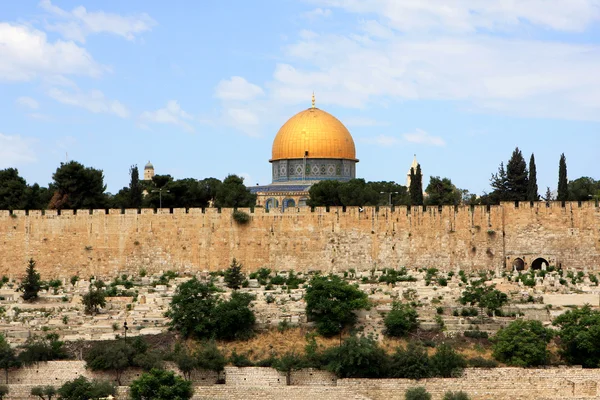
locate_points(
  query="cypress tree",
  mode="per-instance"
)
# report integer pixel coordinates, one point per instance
(563, 184)
(419, 191)
(532, 189)
(412, 188)
(31, 284)
(517, 181)
(135, 188)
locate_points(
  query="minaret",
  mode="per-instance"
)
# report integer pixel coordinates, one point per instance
(414, 168)
(148, 171)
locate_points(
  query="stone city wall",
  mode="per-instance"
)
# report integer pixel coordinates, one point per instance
(262, 383)
(107, 243)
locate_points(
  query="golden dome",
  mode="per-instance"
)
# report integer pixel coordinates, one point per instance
(314, 131)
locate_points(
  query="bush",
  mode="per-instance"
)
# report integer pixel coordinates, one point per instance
(331, 303)
(456, 396)
(522, 344)
(210, 358)
(277, 280)
(161, 385)
(94, 299)
(48, 348)
(480, 362)
(579, 336)
(82, 389)
(357, 357)
(241, 217)
(417, 393)
(447, 363)
(411, 363)
(476, 334)
(240, 360)
(44, 392)
(401, 320)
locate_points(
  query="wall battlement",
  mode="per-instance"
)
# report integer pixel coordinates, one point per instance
(109, 242)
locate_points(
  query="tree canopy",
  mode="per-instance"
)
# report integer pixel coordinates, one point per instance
(331, 303)
(441, 191)
(522, 344)
(161, 385)
(356, 192)
(232, 193)
(77, 187)
(579, 333)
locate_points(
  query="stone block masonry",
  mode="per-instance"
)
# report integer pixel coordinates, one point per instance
(109, 243)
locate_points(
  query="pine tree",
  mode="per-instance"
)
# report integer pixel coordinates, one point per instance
(563, 184)
(234, 276)
(135, 188)
(31, 284)
(532, 189)
(517, 181)
(499, 184)
(548, 195)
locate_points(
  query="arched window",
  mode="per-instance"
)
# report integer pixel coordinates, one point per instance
(271, 203)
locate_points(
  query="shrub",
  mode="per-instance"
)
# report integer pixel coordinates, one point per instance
(240, 360)
(331, 303)
(447, 363)
(401, 320)
(456, 396)
(44, 349)
(277, 280)
(417, 393)
(475, 334)
(44, 392)
(480, 362)
(410, 363)
(439, 310)
(579, 336)
(234, 276)
(82, 389)
(210, 358)
(161, 385)
(241, 217)
(357, 357)
(522, 344)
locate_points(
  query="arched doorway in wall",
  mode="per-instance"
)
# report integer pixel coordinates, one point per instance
(518, 264)
(289, 203)
(271, 203)
(539, 263)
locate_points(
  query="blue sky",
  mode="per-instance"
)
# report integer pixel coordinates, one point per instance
(200, 88)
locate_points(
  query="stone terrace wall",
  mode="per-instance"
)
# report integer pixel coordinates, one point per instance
(448, 238)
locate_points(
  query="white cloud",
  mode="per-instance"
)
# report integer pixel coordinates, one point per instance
(25, 101)
(317, 13)
(79, 23)
(171, 114)
(26, 54)
(237, 88)
(422, 137)
(16, 150)
(382, 140)
(473, 15)
(93, 101)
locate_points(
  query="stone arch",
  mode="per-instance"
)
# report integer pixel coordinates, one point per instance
(271, 203)
(518, 264)
(539, 263)
(289, 203)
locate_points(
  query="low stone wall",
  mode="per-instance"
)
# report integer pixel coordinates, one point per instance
(254, 376)
(312, 377)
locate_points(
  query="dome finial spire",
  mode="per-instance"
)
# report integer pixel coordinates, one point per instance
(313, 100)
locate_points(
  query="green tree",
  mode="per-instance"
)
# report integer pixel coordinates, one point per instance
(185, 361)
(13, 190)
(288, 363)
(161, 385)
(135, 188)
(563, 185)
(447, 363)
(209, 358)
(399, 193)
(522, 344)
(77, 187)
(234, 277)
(416, 186)
(44, 392)
(456, 396)
(232, 193)
(401, 320)
(442, 192)
(579, 333)
(118, 355)
(47, 348)
(584, 189)
(484, 296)
(356, 192)
(411, 362)
(532, 188)
(517, 180)
(83, 389)
(209, 187)
(417, 393)
(499, 183)
(197, 311)
(234, 320)
(31, 283)
(324, 194)
(358, 357)
(94, 299)
(331, 303)
(8, 357)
